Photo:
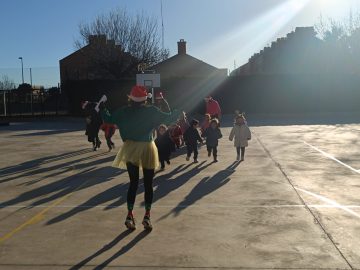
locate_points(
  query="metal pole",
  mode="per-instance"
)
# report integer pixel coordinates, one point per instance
(22, 69)
(30, 77)
(152, 94)
(4, 103)
(31, 94)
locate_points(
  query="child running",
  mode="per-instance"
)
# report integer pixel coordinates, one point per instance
(212, 134)
(206, 123)
(191, 137)
(242, 135)
(109, 130)
(164, 145)
(176, 135)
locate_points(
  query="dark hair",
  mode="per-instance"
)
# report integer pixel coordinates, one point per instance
(194, 122)
(134, 104)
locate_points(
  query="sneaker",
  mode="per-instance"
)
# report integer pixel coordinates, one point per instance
(196, 161)
(215, 160)
(130, 223)
(147, 223)
(187, 158)
(209, 153)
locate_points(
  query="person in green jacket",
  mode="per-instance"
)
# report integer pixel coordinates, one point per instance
(136, 123)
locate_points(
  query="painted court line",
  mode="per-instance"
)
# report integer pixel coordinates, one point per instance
(332, 157)
(38, 217)
(332, 204)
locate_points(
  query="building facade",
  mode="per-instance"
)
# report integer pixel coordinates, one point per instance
(295, 53)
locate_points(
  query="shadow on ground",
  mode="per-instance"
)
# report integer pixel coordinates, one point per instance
(206, 186)
(109, 246)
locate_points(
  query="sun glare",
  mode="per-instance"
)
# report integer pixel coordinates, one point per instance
(334, 8)
(262, 29)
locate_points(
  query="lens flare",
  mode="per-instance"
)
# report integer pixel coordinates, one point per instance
(262, 29)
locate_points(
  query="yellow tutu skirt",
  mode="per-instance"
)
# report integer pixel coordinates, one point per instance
(141, 154)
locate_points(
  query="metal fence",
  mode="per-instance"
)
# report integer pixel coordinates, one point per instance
(43, 102)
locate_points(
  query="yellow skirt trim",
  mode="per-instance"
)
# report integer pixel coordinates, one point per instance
(141, 154)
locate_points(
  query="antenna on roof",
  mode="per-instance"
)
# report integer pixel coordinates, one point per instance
(162, 25)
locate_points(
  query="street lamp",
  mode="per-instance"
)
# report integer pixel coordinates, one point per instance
(22, 69)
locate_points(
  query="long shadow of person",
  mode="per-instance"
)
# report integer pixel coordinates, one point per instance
(105, 248)
(140, 190)
(117, 193)
(63, 167)
(35, 163)
(58, 189)
(165, 184)
(206, 186)
(123, 250)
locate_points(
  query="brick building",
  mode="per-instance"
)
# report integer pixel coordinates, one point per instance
(186, 80)
(101, 59)
(185, 65)
(298, 52)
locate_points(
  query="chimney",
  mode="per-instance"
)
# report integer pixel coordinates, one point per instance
(182, 46)
(97, 39)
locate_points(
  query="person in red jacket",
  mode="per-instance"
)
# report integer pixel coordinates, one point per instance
(213, 108)
(176, 134)
(109, 130)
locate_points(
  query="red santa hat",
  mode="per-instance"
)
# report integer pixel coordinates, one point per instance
(139, 94)
(159, 95)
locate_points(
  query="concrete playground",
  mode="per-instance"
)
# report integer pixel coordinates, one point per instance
(292, 204)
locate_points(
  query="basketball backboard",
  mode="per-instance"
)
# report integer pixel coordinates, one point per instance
(148, 80)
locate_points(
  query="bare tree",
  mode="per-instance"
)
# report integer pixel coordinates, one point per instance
(137, 37)
(341, 42)
(6, 83)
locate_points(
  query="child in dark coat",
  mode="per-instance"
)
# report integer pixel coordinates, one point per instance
(191, 137)
(164, 145)
(212, 134)
(93, 123)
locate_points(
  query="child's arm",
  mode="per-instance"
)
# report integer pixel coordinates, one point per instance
(249, 134)
(198, 137)
(232, 133)
(219, 134)
(204, 133)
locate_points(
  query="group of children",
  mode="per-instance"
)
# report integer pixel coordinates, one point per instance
(139, 150)
(170, 138)
(94, 123)
(187, 133)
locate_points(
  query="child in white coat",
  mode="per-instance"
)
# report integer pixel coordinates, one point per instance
(242, 135)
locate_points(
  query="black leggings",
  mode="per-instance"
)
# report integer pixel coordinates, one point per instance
(134, 183)
(242, 151)
(192, 148)
(212, 149)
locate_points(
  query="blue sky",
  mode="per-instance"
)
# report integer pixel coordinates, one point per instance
(219, 32)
